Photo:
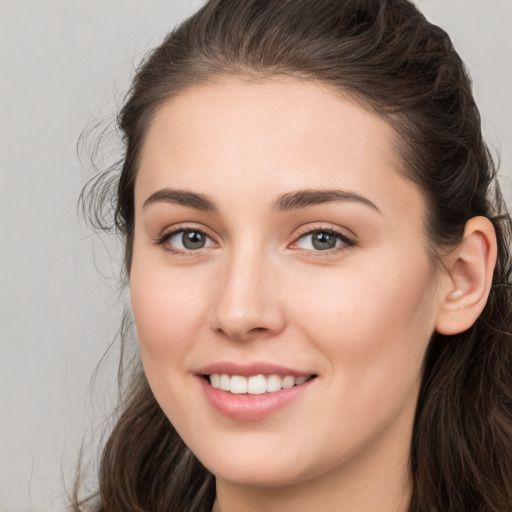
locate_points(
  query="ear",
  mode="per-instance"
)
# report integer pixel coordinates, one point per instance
(465, 288)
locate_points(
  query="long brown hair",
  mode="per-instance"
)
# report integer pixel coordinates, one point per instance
(390, 59)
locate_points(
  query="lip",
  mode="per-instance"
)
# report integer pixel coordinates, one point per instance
(246, 370)
(247, 407)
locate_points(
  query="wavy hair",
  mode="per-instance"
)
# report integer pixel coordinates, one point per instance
(387, 57)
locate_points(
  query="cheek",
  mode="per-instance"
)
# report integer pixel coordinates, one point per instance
(169, 310)
(374, 325)
(372, 331)
(168, 317)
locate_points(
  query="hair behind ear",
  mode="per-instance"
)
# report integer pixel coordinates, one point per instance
(462, 437)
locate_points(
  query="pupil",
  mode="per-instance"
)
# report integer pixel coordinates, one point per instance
(193, 240)
(323, 241)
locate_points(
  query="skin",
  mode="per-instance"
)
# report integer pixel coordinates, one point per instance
(359, 317)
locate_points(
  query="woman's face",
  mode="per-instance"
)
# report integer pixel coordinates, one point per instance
(277, 245)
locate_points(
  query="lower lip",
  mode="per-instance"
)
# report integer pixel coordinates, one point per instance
(251, 407)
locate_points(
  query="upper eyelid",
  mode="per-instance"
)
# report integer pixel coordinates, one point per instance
(344, 239)
(342, 232)
(172, 230)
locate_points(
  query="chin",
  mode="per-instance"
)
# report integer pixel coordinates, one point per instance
(252, 476)
(256, 468)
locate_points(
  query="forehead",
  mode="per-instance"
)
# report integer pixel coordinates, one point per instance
(270, 136)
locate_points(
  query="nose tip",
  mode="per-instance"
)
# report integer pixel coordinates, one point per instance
(246, 307)
(243, 325)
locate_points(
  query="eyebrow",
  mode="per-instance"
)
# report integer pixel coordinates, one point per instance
(183, 198)
(286, 202)
(304, 198)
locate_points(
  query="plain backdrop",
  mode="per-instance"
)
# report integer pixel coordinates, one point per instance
(64, 67)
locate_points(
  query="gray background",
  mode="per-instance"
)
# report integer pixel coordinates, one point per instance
(64, 65)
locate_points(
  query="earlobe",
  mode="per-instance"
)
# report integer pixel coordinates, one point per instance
(466, 288)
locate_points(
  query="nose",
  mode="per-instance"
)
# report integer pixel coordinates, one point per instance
(247, 302)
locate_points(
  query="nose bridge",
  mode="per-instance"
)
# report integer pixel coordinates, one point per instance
(245, 304)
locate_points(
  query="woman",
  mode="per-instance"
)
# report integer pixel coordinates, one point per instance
(319, 269)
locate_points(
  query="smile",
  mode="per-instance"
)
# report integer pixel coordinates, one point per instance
(255, 384)
(253, 397)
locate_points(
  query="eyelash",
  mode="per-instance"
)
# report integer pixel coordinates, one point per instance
(346, 242)
(162, 241)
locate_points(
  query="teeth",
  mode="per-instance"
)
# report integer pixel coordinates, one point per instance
(238, 384)
(273, 383)
(288, 382)
(215, 380)
(255, 385)
(224, 382)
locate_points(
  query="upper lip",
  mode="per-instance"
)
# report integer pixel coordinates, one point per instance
(248, 369)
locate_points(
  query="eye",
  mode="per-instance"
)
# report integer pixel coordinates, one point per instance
(186, 240)
(322, 240)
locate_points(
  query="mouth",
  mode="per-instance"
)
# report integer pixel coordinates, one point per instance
(259, 384)
(253, 391)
